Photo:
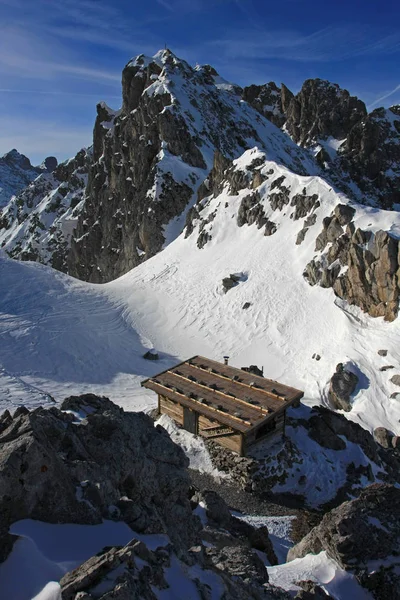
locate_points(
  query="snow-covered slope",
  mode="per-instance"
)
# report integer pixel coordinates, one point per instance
(63, 336)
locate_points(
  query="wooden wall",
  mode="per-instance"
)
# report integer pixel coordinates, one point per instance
(233, 442)
(175, 411)
(172, 409)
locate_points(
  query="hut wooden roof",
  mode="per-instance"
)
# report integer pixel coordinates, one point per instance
(229, 395)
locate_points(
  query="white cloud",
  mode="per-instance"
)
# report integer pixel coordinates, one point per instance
(328, 44)
(384, 97)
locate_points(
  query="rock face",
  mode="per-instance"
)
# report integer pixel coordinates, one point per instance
(342, 386)
(37, 224)
(289, 461)
(322, 109)
(360, 534)
(57, 468)
(269, 100)
(371, 155)
(362, 267)
(150, 158)
(16, 172)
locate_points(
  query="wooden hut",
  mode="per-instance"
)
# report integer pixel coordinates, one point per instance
(231, 406)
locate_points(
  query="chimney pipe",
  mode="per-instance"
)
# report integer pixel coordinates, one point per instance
(226, 359)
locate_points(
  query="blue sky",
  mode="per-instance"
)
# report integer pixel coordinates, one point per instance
(58, 58)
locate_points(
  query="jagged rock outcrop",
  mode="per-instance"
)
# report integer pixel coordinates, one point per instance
(285, 467)
(151, 157)
(269, 100)
(362, 535)
(361, 266)
(136, 572)
(322, 109)
(110, 464)
(37, 224)
(16, 172)
(371, 155)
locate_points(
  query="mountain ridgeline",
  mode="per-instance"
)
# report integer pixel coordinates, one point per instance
(179, 140)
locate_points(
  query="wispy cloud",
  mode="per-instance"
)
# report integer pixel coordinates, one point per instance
(52, 93)
(328, 44)
(384, 97)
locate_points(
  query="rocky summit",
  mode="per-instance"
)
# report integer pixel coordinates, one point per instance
(16, 172)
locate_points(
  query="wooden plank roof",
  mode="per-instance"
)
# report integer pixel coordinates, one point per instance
(229, 395)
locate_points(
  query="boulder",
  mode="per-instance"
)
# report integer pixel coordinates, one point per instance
(383, 437)
(151, 355)
(343, 384)
(395, 379)
(360, 535)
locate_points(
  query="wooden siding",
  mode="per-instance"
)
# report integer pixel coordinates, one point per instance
(172, 409)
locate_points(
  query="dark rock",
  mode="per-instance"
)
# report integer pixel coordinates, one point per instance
(246, 305)
(151, 355)
(322, 109)
(382, 352)
(311, 591)
(267, 100)
(270, 228)
(61, 471)
(342, 385)
(254, 369)
(395, 379)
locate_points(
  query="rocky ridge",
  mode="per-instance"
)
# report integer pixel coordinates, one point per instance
(16, 172)
(361, 265)
(177, 133)
(37, 224)
(150, 157)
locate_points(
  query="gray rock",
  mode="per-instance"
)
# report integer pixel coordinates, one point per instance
(383, 437)
(151, 355)
(359, 533)
(58, 470)
(343, 384)
(395, 379)
(382, 352)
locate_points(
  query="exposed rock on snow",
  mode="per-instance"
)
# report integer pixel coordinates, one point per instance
(361, 266)
(362, 535)
(324, 460)
(135, 571)
(342, 386)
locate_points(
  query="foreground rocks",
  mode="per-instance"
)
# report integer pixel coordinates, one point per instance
(362, 535)
(88, 461)
(58, 467)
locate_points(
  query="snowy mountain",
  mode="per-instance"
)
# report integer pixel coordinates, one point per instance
(151, 156)
(37, 224)
(16, 172)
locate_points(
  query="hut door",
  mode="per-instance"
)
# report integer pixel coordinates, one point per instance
(190, 420)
